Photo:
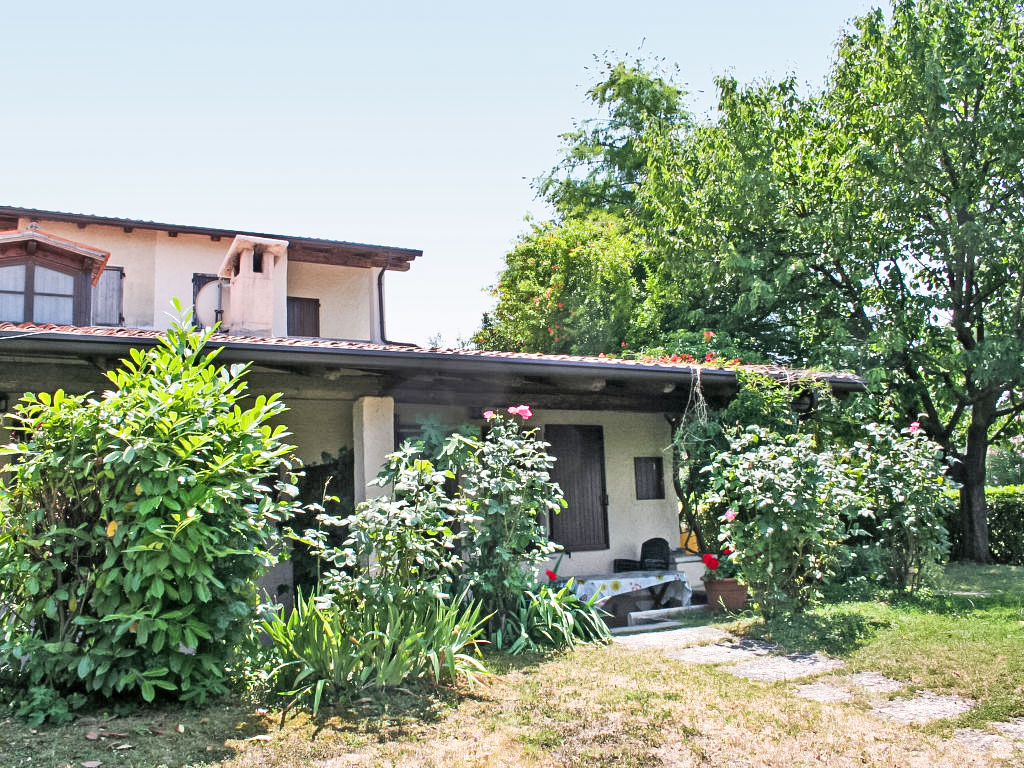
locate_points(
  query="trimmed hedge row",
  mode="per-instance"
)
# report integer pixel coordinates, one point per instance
(1005, 524)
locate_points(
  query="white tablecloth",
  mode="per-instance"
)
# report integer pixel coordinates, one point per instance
(609, 585)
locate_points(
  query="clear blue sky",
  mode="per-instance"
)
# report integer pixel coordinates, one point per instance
(398, 123)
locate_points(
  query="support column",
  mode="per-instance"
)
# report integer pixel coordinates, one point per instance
(373, 438)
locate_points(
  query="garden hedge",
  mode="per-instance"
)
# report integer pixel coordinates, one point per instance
(1005, 524)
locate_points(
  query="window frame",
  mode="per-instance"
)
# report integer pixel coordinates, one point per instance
(649, 477)
(31, 258)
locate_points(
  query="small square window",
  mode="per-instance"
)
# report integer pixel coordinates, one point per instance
(650, 477)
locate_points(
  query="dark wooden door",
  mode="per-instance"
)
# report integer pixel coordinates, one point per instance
(579, 471)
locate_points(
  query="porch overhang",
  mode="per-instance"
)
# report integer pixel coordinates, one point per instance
(416, 375)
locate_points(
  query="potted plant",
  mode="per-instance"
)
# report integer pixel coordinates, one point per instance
(723, 590)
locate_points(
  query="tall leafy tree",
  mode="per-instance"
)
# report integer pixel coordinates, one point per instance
(567, 287)
(929, 112)
(877, 224)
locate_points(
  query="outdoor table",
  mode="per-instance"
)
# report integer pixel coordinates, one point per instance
(609, 585)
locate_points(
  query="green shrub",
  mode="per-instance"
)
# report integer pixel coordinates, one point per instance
(785, 509)
(136, 524)
(1006, 524)
(507, 490)
(408, 541)
(904, 500)
(551, 619)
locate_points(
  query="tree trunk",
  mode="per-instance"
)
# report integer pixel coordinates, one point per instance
(973, 512)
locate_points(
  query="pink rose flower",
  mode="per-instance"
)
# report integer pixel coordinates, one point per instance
(914, 426)
(520, 410)
(488, 415)
(730, 515)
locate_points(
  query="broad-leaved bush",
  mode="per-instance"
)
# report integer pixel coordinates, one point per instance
(136, 524)
(784, 505)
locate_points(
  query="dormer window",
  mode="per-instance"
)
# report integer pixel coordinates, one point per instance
(31, 291)
(46, 279)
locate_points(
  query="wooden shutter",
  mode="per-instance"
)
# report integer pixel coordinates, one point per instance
(303, 316)
(579, 471)
(650, 477)
(108, 297)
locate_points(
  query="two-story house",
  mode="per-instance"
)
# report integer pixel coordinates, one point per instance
(77, 291)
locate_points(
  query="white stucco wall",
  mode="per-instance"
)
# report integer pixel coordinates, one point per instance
(135, 251)
(317, 426)
(344, 293)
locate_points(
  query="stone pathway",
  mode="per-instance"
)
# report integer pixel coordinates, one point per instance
(789, 667)
(823, 692)
(923, 708)
(721, 653)
(760, 662)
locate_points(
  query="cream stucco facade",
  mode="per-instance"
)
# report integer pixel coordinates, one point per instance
(159, 265)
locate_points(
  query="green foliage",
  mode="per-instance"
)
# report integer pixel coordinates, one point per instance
(333, 650)
(566, 288)
(785, 504)
(327, 487)
(876, 224)
(1006, 524)
(704, 430)
(407, 541)
(135, 525)
(481, 537)
(801, 515)
(1005, 465)
(904, 500)
(608, 158)
(507, 488)
(548, 619)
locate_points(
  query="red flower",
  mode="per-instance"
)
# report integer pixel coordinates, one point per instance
(726, 552)
(551, 574)
(709, 335)
(623, 345)
(709, 357)
(711, 562)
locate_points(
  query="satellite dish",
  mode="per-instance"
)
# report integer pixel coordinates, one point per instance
(211, 297)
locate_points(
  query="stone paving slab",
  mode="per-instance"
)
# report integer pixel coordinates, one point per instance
(875, 682)
(1012, 729)
(673, 638)
(721, 654)
(771, 669)
(923, 708)
(823, 692)
(983, 741)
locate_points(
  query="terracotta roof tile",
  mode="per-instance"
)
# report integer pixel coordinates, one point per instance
(33, 329)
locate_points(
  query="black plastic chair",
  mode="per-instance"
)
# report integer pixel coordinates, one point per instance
(653, 557)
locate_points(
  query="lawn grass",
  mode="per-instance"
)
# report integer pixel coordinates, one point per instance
(607, 706)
